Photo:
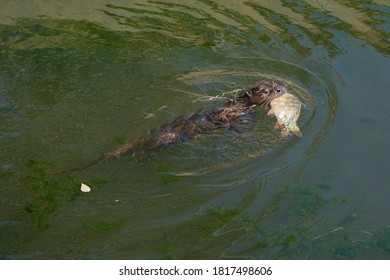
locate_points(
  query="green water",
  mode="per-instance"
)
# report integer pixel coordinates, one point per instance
(77, 78)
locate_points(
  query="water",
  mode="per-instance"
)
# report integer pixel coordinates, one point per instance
(79, 78)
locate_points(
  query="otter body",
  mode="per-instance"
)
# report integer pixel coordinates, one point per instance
(185, 128)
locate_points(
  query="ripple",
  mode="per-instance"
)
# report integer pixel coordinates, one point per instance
(261, 146)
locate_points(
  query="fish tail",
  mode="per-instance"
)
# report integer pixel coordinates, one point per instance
(295, 131)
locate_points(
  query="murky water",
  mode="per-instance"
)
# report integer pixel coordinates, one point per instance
(77, 78)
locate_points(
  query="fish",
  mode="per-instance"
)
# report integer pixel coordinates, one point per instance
(286, 108)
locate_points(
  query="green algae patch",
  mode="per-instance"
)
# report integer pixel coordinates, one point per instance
(98, 181)
(45, 193)
(166, 175)
(121, 139)
(102, 226)
(217, 218)
(383, 239)
(308, 198)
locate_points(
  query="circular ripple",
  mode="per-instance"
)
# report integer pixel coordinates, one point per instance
(258, 149)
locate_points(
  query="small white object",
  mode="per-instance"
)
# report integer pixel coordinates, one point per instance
(85, 188)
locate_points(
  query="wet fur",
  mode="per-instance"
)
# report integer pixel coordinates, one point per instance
(185, 128)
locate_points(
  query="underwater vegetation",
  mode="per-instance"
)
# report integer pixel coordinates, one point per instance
(46, 193)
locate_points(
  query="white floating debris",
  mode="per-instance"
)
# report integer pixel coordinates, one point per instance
(85, 188)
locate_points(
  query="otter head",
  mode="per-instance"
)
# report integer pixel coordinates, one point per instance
(263, 92)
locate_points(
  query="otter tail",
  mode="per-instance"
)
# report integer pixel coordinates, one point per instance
(119, 151)
(82, 167)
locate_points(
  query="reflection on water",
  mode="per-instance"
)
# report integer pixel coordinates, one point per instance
(79, 78)
(206, 22)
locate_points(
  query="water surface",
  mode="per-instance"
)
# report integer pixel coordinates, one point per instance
(78, 78)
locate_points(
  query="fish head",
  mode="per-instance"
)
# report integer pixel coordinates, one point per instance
(263, 92)
(279, 90)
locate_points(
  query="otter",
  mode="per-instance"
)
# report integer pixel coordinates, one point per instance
(202, 121)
